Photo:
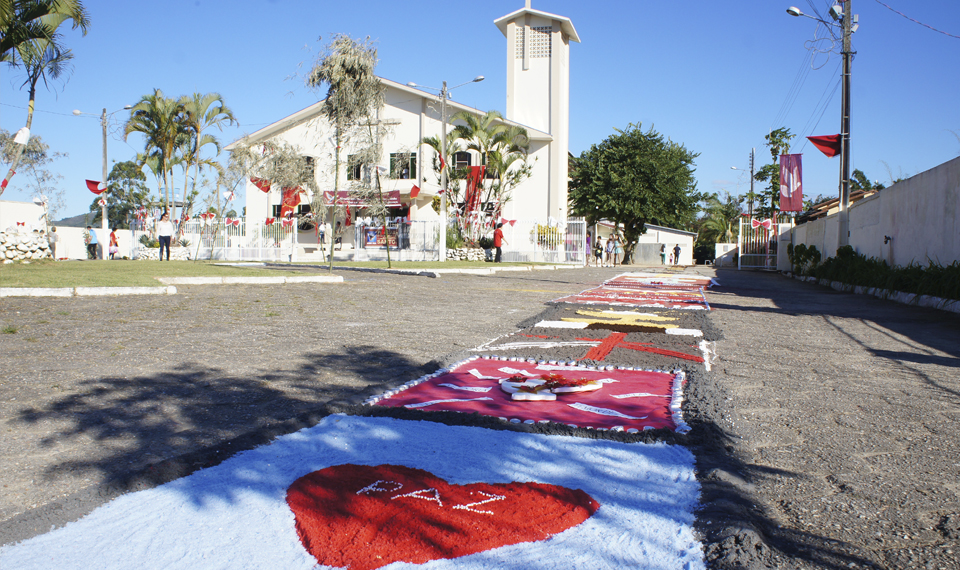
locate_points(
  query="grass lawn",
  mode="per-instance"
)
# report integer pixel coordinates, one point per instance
(124, 273)
(120, 273)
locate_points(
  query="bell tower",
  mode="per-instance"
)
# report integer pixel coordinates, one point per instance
(538, 86)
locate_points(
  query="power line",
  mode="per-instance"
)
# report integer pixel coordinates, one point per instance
(915, 21)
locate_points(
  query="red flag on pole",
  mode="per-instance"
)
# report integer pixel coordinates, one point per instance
(474, 188)
(94, 187)
(290, 200)
(415, 191)
(828, 144)
(263, 185)
(791, 183)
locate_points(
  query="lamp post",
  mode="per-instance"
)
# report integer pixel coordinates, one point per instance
(444, 93)
(848, 25)
(752, 196)
(103, 206)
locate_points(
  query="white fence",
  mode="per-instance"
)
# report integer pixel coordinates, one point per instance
(527, 241)
(551, 242)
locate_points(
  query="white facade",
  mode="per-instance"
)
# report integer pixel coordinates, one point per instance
(537, 99)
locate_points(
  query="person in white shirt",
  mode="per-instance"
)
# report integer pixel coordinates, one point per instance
(164, 233)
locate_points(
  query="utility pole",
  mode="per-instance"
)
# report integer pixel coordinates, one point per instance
(844, 218)
(442, 246)
(752, 195)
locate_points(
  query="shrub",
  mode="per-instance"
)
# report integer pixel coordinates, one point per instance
(852, 268)
(148, 241)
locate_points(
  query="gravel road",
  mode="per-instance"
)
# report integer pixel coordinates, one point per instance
(826, 433)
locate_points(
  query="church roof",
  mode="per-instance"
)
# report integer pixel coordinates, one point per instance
(565, 24)
(313, 111)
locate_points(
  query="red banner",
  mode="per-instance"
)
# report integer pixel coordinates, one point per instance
(290, 200)
(94, 187)
(474, 188)
(263, 185)
(791, 183)
(829, 145)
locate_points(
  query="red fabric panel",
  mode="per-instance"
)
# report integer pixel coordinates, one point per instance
(828, 144)
(94, 187)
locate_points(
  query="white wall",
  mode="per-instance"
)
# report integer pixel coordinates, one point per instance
(28, 213)
(920, 215)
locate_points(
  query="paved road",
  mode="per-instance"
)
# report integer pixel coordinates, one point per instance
(841, 422)
(827, 433)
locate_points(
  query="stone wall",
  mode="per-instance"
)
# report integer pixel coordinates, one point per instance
(23, 246)
(153, 253)
(467, 254)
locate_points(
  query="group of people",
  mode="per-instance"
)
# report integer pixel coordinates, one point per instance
(674, 257)
(611, 254)
(613, 250)
(165, 232)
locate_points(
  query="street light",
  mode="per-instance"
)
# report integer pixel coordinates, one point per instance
(848, 25)
(444, 93)
(103, 122)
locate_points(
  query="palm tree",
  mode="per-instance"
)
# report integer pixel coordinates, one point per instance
(502, 147)
(201, 113)
(25, 21)
(722, 217)
(42, 59)
(160, 120)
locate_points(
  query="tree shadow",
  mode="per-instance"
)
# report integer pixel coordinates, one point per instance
(137, 432)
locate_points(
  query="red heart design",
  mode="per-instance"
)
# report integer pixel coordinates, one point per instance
(363, 517)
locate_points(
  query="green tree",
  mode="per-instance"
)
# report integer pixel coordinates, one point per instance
(126, 192)
(633, 178)
(37, 178)
(503, 149)
(200, 113)
(160, 120)
(721, 220)
(354, 97)
(42, 58)
(36, 21)
(859, 181)
(778, 141)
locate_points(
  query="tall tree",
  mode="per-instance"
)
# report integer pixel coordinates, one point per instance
(31, 40)
(503, 149)
(160, 120)
(202, 111)
(126, 192)
(721, 221)
(633, 178)
(27, 21)
(778, 142)
(354, 98)
(37, 177)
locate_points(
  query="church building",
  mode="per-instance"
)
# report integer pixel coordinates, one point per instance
(537, 98)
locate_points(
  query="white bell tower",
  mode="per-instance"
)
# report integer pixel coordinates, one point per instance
(538, 87)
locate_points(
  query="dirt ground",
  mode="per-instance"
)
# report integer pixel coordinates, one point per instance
(826, 433)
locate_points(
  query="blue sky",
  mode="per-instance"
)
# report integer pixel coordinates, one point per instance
(714, 76)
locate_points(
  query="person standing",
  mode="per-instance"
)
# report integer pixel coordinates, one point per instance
(53, 238)
(609, 251)
(589, 247)
(598, 251)
(676, 254)
(617, 250)
(663, 254)
(90, 238)
(114, 244)
(498, 242)
(164, 233)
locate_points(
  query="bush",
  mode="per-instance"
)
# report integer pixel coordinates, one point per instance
(801, 255)
(184, 242)
(852, 268)
(148, 241)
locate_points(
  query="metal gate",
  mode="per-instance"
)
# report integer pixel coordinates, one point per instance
(758, 241)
